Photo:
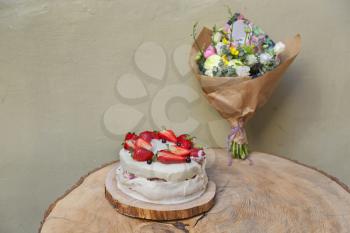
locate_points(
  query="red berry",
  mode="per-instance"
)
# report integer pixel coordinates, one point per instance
(129, 136)
(155, 135)
(177, 150)
(167, 157)
(187, 144)
(168, 135)
(147, 135)
(143, 144)
(185, 141)
(129, 144)
(184, 137)
(141, 154)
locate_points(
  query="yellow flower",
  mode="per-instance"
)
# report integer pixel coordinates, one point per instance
(225, 41)
(224, 59)
(234, 51)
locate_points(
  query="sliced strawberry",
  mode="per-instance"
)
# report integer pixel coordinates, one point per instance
(177, 150)
(143, 144)
(167, 157)
(141, 154)
(129, 136)
(129, 144)
(147, 135)
(168, 135)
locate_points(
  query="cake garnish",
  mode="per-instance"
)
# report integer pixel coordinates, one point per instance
(141, 154)
(163, 146)
(168, 135)
(129, 141)
(167, 157)
(149, 161)
(130, 136)
(129, 144)
(185, 141)
(148, 135)
(141, 143)
(179, 151)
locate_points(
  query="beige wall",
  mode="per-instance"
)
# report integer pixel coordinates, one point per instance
(64, 66)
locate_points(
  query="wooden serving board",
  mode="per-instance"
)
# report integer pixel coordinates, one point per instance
(129, 206)
(270, 194)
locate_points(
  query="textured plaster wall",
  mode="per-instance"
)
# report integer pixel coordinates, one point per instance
(60, 62)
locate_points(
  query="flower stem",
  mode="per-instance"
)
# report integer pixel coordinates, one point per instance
(239, 151)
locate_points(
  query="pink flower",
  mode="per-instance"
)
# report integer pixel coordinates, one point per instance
(240, 17)
(209, 51)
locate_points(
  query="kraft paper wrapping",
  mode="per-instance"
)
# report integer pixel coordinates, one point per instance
(237, 98)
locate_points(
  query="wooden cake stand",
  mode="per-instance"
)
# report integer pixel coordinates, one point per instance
(266, 194)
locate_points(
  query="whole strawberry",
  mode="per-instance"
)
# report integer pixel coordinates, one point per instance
(185, 141)
(155, 134)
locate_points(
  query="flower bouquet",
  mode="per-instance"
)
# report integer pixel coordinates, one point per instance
(238, 66)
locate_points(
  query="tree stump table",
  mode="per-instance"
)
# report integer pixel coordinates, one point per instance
(266, 193)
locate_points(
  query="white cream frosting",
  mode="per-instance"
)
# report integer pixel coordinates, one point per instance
(162, 192)
(158, 145)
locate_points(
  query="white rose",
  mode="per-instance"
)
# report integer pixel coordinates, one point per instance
(242, 71)
(235, 62)
(251, 59)
(212, 61)
(217, 37)
(209, 73)
(279, 48)
(265, 58)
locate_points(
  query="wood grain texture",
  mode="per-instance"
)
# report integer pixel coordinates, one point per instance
(135, 208)
(268, 194)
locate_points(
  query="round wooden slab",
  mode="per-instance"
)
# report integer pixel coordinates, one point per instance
(269, 194)
(129, 206)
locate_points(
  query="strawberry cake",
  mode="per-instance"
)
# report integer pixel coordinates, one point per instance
(162, 168)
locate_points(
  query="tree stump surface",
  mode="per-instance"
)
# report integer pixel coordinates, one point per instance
(264, 194)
